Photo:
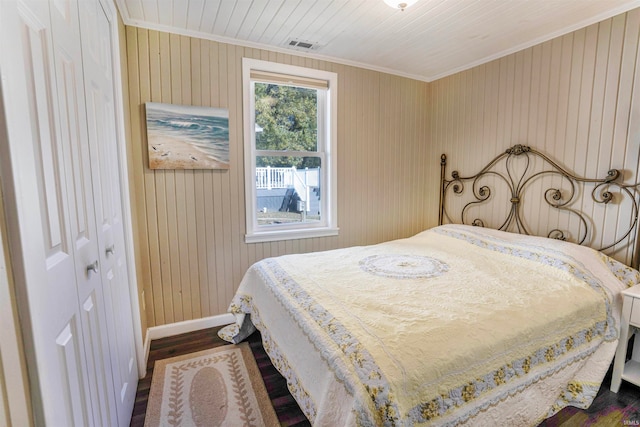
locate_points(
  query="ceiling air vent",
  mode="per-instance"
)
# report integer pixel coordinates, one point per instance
(301, 45)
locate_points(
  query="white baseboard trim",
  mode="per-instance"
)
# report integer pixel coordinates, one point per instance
(146, 345)
(178, 328)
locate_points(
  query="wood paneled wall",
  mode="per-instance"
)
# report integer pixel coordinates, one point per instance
(190, 225)
(575, 98)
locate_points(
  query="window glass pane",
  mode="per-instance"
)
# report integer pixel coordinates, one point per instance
(286, 117)
(287, 192)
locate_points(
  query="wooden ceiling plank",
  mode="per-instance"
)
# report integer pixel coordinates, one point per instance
(278, 21)
(209, 13)
(251, 19)
(165, 16)
(237, 19)
(266, 18)
(194, 14)
(225, 10)
(180, 10)
(135, 10)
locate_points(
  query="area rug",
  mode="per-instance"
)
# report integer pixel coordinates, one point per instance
(221, 386)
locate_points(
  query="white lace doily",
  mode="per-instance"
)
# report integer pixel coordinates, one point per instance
(403, 266)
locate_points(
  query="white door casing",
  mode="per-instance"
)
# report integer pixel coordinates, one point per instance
(15, 408)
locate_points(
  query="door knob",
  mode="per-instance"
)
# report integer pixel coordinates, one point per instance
(93, 267)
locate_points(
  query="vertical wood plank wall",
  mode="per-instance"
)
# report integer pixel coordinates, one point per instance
(575, 98)
(190, 225)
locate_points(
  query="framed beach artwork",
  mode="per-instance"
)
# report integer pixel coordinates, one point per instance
(187, 137)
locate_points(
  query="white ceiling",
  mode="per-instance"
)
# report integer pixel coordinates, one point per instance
(427, 41)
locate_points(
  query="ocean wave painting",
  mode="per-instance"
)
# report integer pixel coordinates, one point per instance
(186, 137)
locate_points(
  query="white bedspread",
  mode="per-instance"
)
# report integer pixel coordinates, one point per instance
(456, 325)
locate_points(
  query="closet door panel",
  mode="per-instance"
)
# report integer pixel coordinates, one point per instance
(80, 219)
(41, 97)
(48, 248)
(99, 364)
(124, 362)
(75, 409)
(102, 124)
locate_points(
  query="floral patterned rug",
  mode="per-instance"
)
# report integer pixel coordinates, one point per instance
(217, 387)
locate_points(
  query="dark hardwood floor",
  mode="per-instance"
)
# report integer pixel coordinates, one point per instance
(608, 409)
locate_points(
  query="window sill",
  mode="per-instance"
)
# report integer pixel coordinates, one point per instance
(270, 236)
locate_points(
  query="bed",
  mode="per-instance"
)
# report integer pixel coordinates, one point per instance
(457, 325)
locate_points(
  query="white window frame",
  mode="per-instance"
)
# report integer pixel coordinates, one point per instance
(327, 119)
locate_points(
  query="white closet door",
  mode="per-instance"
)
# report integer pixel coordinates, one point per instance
(61, 174)
(96, 31)
(82, 216)
(52, 189)
(34, 184)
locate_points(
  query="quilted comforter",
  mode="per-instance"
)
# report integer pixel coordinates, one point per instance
(457, 325)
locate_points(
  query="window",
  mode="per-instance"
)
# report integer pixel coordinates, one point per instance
(290, 147)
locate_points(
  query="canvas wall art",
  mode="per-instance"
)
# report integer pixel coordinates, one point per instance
(187, 137)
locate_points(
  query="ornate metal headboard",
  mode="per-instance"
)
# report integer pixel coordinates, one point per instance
(563, 194)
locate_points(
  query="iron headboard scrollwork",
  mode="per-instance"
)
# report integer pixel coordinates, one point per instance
(560, 189)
